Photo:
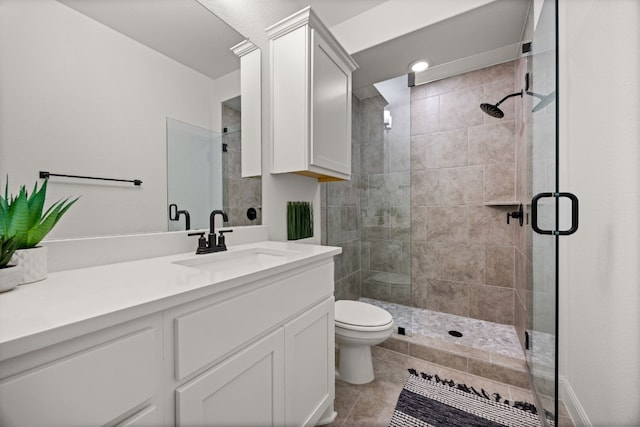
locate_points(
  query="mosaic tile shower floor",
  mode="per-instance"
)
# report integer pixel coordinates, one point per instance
(479, 334)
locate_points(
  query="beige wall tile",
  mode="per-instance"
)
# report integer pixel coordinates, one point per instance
(492, 143)
(447, 223)
(425, 115)
(498, 373)
(450, 84)
(425, 261)
(419, 152)
(419, 223)
(499, 183)
(499, 265)
(460, 109)
(488, 224)
(462, 262)
(446, 149)
(491, 303)
(492, 74)
(459, 186)
(448, 297)
(438, 356)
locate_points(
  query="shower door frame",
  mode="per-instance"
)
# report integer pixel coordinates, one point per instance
(548, 213)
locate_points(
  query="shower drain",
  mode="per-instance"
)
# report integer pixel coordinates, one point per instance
(455, 334)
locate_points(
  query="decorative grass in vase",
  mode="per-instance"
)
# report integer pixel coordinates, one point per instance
(299, 220)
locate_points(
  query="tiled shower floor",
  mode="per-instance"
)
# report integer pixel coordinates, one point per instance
(491, 337)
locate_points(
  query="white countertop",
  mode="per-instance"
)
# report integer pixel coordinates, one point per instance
(73, 299)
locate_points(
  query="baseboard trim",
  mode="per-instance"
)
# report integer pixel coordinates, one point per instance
(571, 402)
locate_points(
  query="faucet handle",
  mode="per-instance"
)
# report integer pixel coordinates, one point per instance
(221, 243)
(202, 242)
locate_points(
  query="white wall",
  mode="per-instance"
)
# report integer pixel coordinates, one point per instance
(79, 98)
(600, 162)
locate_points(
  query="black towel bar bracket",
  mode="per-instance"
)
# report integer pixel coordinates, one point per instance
(45, 175)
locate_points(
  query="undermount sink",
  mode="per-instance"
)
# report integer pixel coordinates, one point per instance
(241, 260)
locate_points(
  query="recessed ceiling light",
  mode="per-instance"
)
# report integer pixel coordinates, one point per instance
(419, 65)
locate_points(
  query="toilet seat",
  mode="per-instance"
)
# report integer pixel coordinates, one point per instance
(360, 316)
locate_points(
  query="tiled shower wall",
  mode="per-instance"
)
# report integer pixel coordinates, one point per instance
(385, 197)
(463, 172)
(340, 214)
(462, 176)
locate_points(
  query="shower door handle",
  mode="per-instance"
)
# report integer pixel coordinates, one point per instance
(574, 213)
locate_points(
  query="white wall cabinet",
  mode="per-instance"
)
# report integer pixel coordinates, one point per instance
(251, 107)
(311, 95)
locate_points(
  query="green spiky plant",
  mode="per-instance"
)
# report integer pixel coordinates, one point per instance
(22, 217)
(8, 246)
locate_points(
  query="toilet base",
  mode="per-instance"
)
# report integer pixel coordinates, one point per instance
(355, 364)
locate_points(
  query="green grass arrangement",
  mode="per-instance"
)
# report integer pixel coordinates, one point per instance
(299, 220)
(8, 246)
(22, 217)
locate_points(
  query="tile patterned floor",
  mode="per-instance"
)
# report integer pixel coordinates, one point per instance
(478, 334)
(372, 405)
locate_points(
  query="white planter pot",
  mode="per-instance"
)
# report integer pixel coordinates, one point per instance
(33, 262)
(10, 277)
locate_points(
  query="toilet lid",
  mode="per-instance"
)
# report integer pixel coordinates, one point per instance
(361, 314)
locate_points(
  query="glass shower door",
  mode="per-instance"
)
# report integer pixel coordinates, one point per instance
(546, 213)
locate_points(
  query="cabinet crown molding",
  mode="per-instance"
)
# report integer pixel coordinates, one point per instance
(308, 17)
(244, 47)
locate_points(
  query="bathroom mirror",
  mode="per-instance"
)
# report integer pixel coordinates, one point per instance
(87, 87)
(204, 173)
(194, 174)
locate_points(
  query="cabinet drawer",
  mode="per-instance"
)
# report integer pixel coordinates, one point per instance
(92, 387)
(208, 334)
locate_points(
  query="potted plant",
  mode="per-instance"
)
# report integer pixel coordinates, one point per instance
(22, 217)
(10, 275)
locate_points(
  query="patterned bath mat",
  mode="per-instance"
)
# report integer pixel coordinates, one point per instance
(429, 401)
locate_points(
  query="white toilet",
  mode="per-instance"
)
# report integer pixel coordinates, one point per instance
(359, 326)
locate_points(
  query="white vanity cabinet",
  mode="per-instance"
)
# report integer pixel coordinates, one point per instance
(311, 95)
(264, 357)
(110, 377)
(160, 343)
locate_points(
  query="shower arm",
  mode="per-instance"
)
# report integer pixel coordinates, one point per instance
(535, 94)
(509, 96)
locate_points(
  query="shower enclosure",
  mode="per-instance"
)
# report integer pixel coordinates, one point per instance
(424, 221)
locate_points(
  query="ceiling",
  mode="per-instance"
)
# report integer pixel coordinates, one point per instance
(461, 35)
(467, 37)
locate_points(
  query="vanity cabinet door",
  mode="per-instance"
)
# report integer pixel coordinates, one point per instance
(246, 389)
(310, 365)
